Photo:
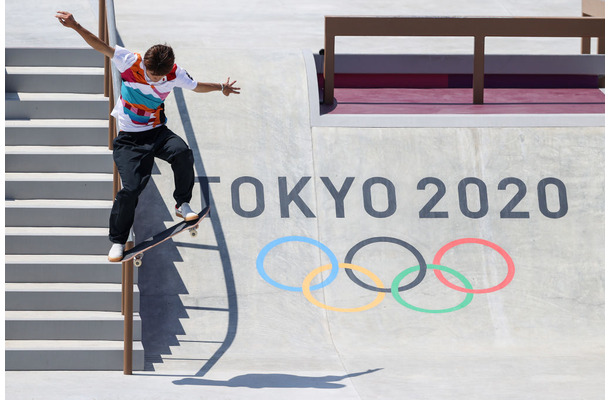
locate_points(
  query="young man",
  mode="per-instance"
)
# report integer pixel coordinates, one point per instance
(147, 81)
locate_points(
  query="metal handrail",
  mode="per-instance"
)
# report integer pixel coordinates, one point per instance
(112, 77)
(591, 8)
(477, 27)
(112, 84)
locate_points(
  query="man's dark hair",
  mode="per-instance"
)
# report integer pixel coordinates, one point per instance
(159, 59)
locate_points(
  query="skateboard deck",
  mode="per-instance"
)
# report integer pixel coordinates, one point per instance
(138, 250)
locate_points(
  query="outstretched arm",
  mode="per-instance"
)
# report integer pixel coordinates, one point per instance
(67, 20)
(226, 88)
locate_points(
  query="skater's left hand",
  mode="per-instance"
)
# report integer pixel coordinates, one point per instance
(228, 88)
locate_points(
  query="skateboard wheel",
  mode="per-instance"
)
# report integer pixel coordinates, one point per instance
(138, 260)
(193, 232)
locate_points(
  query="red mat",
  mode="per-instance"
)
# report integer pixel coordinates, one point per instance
(459, 101)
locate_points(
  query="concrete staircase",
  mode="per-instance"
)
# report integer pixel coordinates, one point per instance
(62, 297)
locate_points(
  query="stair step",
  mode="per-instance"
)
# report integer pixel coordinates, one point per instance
(54, 79)
(23, 105)
(60, 268)
(59, 150)
(56, 240)
(56, 132)
(62, 296)
(66, 297)
(47, 56)
(68, 325)
(87, 186)
(58, 159)
(66, 355)
(53, 71)
(56, 213)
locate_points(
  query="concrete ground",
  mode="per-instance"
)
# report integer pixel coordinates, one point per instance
(224, 314)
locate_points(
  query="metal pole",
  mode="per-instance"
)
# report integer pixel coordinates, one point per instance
(123, 272)
(585, 42)
(478, 75)
(585, 45)
(329, 65)
(111, 120)
(103, 34)
(101, 18)
(128, 313)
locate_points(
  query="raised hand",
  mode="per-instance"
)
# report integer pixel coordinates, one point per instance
(228, 88)
(66, 19)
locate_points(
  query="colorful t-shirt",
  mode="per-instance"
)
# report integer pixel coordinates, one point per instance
(140, 105)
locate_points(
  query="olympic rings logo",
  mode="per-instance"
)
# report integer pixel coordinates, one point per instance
(395, 289)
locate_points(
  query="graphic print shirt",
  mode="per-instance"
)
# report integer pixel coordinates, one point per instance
(140, 105)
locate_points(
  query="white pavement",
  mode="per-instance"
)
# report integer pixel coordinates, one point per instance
(218, 321)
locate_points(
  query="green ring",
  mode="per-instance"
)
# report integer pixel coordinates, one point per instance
(396, 293)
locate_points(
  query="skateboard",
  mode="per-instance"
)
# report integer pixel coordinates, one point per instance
(137, 252)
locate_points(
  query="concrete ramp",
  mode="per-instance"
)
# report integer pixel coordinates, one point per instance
(509, 219)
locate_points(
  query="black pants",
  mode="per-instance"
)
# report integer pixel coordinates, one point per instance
(134, 155)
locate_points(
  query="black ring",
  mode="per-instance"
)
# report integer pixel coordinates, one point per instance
(420, 259)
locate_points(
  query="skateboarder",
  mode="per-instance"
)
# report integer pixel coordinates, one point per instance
(147, 81)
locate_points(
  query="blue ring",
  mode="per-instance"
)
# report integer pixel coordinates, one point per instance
(334, 271)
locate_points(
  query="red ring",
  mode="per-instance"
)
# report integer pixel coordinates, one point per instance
(503, 253)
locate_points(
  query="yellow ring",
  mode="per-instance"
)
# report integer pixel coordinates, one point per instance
(312, 274)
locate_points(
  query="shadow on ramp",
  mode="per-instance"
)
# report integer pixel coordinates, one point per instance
(218, 233)
(160, 282)
(160, 306)
(287, 381)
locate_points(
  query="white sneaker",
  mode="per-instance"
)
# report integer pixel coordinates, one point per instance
(185, 211)
(116, 252)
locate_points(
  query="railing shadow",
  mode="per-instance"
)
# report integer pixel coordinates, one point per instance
(207, 199)
(161, 306)
(260, 381)
(159, 281)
